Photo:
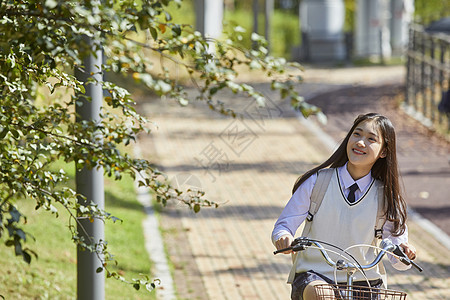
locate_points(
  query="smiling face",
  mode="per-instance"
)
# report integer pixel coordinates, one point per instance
(364, 147)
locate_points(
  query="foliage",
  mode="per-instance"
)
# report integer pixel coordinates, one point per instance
(53, 275)
(285, 33)
(427, 11)
(285, 30)
(350, 9)
(42, 42)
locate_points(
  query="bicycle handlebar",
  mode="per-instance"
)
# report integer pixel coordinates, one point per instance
(302, 243)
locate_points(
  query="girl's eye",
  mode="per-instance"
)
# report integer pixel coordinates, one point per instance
(355, 134)
(372, 139)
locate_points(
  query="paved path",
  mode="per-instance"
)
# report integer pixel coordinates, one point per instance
(248, 166)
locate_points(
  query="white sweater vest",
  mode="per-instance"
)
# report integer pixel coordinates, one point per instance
(343, 224)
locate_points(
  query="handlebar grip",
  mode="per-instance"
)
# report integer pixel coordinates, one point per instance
(419, 268)
(405, 259)
(282, 250)
(298, 244)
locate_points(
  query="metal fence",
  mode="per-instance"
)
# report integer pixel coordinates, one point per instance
(428, 77)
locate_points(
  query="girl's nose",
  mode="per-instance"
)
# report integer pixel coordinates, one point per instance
(360, 143)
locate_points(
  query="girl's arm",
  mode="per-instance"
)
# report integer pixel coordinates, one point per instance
(401, 240)
(293, 214)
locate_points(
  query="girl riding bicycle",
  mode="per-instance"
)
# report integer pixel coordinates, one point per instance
(364, 165)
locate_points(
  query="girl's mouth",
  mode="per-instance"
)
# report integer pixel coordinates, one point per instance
(359, 152)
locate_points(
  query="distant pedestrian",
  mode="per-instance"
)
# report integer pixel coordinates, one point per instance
(364, 165)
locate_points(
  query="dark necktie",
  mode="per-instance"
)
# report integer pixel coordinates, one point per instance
(351, 194)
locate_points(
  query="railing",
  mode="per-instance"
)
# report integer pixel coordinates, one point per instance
(428, 77)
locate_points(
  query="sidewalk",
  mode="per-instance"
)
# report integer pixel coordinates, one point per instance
(249, 166)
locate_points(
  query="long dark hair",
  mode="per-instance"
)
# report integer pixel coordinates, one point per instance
(385, 169)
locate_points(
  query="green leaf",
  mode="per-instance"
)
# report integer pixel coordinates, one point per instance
(137, 286)
(51, 3)
(177, 30)
(168, 16)
(21, 234)
(239, 29)
(322, 118)
(150, 286)
(99, 270)
(15, 133)
(255, 65)
(26, 257)
(15, 214)
(3, 132)
(196, 208)
(18, 248)
(154, 33)
(183, 101)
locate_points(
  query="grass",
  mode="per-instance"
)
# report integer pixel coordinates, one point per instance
(53, 274)
(376, 61)
(126, 240)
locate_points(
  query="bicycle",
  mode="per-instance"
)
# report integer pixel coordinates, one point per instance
(349, 291)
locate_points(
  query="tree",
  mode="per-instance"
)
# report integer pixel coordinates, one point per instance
(42, 42)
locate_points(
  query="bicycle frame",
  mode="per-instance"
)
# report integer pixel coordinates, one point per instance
(352, 268)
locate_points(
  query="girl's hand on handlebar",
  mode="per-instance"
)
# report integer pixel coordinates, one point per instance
(409, 250)
(284, 242)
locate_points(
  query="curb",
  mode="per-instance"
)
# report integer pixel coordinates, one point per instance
(154, 243)
(429, 227)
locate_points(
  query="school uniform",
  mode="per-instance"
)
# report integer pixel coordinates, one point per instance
(340, 222)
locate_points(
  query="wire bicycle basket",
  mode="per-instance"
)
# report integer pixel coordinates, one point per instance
(353, 292)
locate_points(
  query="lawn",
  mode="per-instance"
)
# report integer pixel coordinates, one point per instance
(53, 275)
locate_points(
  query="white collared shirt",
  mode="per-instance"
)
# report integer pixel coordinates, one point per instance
(296, 210)
(347, 181)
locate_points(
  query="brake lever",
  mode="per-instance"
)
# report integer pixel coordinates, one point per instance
(405, 259)
(301, 240)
